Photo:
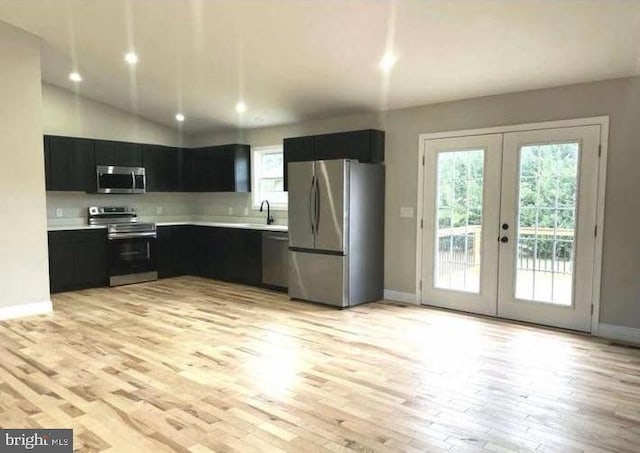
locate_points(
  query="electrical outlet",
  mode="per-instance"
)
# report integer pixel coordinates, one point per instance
(59, 212)
(158, 209)
(230, 210)
(406, 212)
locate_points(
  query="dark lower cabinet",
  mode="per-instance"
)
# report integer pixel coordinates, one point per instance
(211, 252)
(77, 259)
(175, 249)
(228, 254)
(244, 256)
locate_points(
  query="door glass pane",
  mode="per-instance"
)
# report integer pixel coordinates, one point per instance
(459, 220)
(546, 222)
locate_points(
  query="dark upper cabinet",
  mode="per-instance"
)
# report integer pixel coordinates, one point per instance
(200, 170)
(119, 154)
(163, 168)
(225, 168)
(365, 146)
(77, 259)
(69, 164)
(299, 149)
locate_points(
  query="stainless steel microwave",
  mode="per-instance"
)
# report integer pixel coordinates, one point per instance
(121, 179)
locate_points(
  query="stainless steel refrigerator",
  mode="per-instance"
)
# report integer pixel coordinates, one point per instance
(336, 231)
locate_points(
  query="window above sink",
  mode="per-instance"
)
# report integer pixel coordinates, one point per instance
(267, 177)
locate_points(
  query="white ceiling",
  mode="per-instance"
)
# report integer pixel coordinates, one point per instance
(292, 60)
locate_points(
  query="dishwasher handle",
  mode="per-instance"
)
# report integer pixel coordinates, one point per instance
(277, 238)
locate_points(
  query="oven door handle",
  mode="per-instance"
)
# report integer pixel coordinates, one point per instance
(117, 236)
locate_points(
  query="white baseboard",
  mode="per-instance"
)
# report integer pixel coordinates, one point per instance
(19, 311)
(621, 333)
(399, 296)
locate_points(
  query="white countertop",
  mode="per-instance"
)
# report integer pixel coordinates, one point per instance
(246, 226)
(74, 227)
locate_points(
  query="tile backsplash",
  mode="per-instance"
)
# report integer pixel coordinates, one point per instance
(67, 208)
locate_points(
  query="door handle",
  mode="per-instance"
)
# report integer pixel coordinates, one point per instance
(317, 205)
(504, 239)
(311, 203)
(133, 180)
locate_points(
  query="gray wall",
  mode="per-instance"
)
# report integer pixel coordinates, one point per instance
(24, 276)
(620, 99)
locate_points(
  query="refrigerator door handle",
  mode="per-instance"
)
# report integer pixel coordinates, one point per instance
(317, 200)
(311, 204)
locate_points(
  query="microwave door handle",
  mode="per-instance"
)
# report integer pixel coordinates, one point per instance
(133, 180)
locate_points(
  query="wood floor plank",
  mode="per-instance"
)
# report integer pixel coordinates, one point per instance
(194, 365)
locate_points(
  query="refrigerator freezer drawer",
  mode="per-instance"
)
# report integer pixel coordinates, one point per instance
(318, 278)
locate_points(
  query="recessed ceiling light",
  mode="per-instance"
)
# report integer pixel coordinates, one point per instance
(75, 77)
(387, 62)
(241, 107)
(131, 58)
(179, 117)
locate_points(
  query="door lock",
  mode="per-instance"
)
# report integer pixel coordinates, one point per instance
(505, 226)
(504, 239)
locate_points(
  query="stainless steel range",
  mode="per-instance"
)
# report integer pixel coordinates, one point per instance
(132, 244)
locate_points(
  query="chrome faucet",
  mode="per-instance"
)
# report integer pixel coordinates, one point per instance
(269, 218)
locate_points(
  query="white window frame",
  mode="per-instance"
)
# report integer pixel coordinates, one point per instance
(256, 197)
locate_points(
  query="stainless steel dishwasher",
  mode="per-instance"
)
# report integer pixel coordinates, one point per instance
(275, 259)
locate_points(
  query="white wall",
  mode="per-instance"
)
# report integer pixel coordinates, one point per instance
(24, 276)
(70, 114)
(233, 205)
(620, 99)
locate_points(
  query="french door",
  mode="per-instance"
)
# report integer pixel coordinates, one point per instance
(509, 223)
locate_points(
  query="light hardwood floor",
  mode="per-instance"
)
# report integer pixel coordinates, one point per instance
(194, 365)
